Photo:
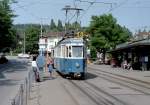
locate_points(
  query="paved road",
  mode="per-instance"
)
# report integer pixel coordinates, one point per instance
(104, 86)
(11, 76)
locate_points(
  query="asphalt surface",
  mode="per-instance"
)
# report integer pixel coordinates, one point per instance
(99, 88)
(12, 74)
(103, 85)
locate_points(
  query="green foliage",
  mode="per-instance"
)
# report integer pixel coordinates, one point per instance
(32, 32)
(7, 33)
(32, 38)
(106, 33)
(60, 26)
(73, 26)
(93, 52)
(52, 25)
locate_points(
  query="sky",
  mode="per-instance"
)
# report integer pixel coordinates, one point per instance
(133, 14)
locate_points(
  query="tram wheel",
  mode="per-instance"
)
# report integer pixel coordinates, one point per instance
(83, 77)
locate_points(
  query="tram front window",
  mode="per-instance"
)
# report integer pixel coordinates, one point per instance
(77, 51)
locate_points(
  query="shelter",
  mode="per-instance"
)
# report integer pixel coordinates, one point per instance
(136, 52)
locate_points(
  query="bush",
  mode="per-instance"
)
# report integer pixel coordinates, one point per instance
(3, 60)
(93, 53)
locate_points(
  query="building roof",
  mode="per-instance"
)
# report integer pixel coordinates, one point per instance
(54, 34)
(143, 42)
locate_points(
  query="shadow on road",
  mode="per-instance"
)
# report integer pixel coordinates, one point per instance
(17, 66)
(90, 76)
(8, 82)
(13, 68)
(48, 78)
(87, 76)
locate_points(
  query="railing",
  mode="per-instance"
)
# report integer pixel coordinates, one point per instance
(23, 94)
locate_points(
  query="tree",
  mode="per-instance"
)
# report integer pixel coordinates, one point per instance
(32, 38)
(75, 25)
(60, 26)
(7, 33)
(52, 25)
(106, 33)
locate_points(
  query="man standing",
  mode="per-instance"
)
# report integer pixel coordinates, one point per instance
(41, 64)
(50, 64)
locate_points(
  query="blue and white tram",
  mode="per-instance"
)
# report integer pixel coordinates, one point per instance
(70, 57)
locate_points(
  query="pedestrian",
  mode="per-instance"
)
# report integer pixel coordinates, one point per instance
(35, 68)
(125, 64)
(50, 65)
(41, 64)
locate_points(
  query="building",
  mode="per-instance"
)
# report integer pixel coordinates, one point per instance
(42, 44)
(49, 40)
(136, 52)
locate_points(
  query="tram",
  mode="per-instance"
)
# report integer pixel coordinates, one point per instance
(70, 57)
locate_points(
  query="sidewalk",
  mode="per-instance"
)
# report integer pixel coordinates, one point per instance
(136, 74)
(49, 92)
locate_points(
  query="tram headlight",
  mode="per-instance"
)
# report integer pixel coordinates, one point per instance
(77, 65)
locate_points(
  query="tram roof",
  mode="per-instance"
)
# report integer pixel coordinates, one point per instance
(71, 41)
(143, 42)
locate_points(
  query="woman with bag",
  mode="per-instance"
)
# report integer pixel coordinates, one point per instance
(35, 69)
(50, 65)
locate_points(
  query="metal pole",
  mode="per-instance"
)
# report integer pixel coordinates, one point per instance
(41, 27)
(24, 50)
(26, 86)
(13, 102)
(67, 9)
(21, 94)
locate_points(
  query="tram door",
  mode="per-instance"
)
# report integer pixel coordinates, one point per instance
(67, 61)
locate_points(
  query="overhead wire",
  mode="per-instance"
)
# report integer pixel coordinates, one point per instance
(139, 4)
(33, 3)
(94, 2)
(33, 15)
(75, 13)
(91, 3)
(27, 5)
(74, 3)
(117, 6)
(85, 11)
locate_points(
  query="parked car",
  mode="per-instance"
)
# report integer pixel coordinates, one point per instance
(21, 55)
(3, 58)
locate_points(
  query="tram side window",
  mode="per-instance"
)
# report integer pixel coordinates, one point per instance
(77, 51)
(63, 51)
(69, 51)
(56, 53)
(59, 51)
(66, 53)
(69, 54)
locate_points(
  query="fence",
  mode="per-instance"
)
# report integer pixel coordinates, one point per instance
(23, 94)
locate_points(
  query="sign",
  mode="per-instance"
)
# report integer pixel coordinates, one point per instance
(146, 58)
(81, 34)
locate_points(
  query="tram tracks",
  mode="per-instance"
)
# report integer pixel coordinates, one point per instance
(104, 93)
(88, 93)
(100, 96)
(70, 94)
(134, 84)
(95, 94)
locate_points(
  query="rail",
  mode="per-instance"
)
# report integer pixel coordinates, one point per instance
(23, 94)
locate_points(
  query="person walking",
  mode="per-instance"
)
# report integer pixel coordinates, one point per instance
(35, 68)
(41, 64)
(50, 65)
